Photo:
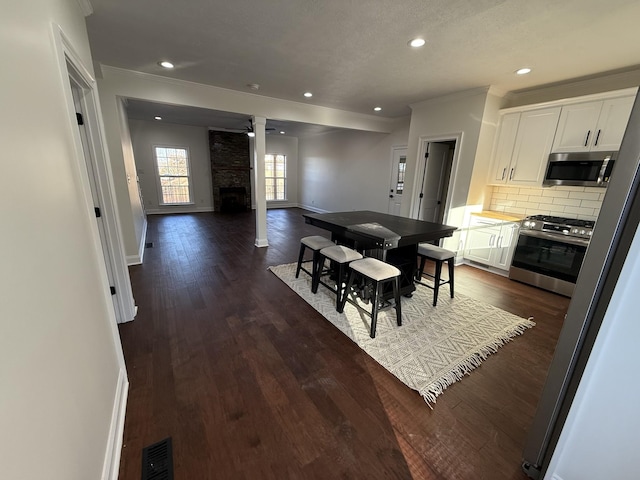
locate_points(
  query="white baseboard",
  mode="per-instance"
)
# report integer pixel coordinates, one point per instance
(487, 268)
(133, 260)
(312, 208)
(280, 205)
(262, 242)
(166, 211)
(111, 465)
(137, 259)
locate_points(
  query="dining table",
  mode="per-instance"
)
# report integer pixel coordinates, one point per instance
(391, 238)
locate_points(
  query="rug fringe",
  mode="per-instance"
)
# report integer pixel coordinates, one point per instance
(473, 361)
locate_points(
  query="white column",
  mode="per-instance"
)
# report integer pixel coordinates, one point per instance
(258, 167)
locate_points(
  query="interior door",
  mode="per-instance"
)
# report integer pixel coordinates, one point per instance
(77, 93)
(396, 187)
(436, 178)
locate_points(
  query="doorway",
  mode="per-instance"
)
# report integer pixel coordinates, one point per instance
(85, 110)
(434, 177)
(397, 185)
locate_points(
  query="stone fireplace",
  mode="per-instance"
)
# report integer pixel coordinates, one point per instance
(230, 171)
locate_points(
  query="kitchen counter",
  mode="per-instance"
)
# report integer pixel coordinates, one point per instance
(505, 217)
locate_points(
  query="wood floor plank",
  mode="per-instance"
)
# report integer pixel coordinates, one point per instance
(252, 383)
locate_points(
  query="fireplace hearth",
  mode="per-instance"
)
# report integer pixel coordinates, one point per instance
(233, 199)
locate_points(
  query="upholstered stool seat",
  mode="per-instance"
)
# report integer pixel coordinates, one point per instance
(439, 255)
(315, 243)
(379, 273)
(340, 256)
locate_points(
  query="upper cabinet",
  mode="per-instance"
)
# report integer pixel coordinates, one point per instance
(593, 126)
(526, 135)
(503, 147)
(522, 146)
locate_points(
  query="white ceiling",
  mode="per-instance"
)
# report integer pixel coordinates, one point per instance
(353, 54)
(215, 119)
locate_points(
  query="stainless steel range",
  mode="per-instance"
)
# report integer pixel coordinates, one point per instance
(550, 252)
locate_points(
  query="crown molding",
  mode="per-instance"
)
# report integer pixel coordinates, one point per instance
(452, 96)
(577, 87)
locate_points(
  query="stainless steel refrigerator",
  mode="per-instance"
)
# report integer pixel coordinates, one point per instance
(615, 228)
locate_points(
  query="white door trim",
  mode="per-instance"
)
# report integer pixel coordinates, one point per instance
(71, 66)
(393, 172)
(423, 142)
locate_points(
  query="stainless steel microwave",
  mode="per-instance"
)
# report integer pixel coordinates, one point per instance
(588, 169)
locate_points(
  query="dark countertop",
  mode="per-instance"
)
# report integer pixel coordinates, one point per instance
(410, 231)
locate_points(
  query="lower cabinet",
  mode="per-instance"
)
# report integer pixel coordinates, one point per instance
(491, 241)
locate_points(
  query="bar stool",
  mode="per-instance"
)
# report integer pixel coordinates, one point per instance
(315, 243)
(338, 255)
(379, 273)
(426, 251)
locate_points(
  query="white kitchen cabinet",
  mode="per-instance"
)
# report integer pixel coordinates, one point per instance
(503, 147)
(593, 126)
(490, 241)
(503, 252)
(522, 146)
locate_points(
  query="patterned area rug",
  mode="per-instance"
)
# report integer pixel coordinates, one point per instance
(434, 347)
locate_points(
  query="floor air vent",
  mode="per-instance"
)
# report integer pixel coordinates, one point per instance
(157, 461)
(148, 245)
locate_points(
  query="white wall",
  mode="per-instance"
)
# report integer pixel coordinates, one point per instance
(347, 170)
(600, 436)
(446, 117)
(287, 146)
(145, 135)
(60, 362)
(133, 218)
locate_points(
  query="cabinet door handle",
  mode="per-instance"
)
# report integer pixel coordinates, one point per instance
(511, 174)
(504, 171)
(499, 241)
(595, 144)
(586, 140)
(491, 239)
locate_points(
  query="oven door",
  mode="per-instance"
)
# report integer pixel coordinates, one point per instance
(550, 255)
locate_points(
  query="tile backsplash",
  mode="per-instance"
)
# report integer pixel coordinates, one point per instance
(573, 202)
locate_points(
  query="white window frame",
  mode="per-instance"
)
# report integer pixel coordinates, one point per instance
(159, 183)
(286, 189)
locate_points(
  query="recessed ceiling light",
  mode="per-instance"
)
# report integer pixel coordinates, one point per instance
(158, 117)
(282, 132)
(377, 109)
(308, 94)
(523, 71)
(417, 42)
(165, 64)
(251, 134)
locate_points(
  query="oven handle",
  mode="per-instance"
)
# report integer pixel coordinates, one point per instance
(558, 238)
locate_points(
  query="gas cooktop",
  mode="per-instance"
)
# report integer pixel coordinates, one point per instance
(568, 227)
(572, 222)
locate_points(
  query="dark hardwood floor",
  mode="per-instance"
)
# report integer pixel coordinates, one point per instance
(252, 383)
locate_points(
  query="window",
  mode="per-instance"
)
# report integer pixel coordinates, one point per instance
(402, 165)
(174, 175)
(275, 166)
